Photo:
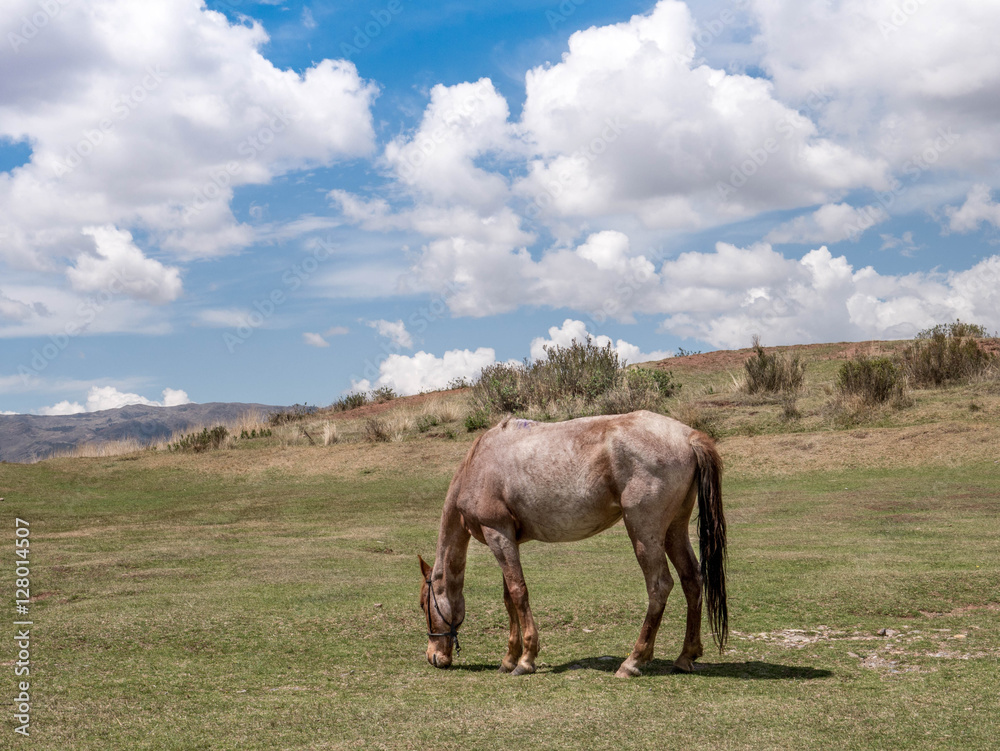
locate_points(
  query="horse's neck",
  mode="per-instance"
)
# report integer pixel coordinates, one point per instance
(453, 544)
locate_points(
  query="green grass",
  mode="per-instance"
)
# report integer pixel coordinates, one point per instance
(185, 609)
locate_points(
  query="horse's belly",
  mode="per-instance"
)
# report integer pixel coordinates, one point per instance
(555, 523)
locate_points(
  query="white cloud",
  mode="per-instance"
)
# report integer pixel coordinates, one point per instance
(314, 340)
(978, 208)
(108, 397)
(817, 298)
(426, 372)
(148, 116)
(119, 266)
(890, 77)
(223, 318)
(394, 331)
(628, 122)
(830, 223)
(14, 310)
(576, 331)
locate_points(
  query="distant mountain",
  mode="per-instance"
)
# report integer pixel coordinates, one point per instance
(26, 438)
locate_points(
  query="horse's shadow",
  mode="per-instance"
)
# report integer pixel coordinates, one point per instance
(751, 670)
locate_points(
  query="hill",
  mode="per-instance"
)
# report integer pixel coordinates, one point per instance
(26, 438)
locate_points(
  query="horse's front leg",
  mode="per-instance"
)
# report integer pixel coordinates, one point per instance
(525, 645)
(514, 645)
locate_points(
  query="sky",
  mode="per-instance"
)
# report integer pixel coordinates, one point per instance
(282, 202)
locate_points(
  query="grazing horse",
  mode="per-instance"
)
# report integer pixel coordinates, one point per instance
(561, 482)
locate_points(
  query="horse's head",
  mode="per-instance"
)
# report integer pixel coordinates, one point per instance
(442, 621)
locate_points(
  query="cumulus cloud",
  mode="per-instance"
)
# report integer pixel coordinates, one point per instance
(108, 397)
(629, 122)
(424, 371)
(890, 77)
(978, 208)
(819, 297)
(118, 265)
(394, 331)
(149, 117)
(830, 223)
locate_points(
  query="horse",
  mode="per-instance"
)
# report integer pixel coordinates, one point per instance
(561, 482)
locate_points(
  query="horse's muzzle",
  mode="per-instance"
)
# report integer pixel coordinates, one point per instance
(438, 661)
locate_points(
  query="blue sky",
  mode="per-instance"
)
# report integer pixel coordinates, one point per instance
(279, 202)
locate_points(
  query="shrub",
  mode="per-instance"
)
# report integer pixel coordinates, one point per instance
(426, 422)
(293, 414)
(772, 373)
(383, 394)
(582, 375)
(377, 430)
(875, 380)
(501, 388)
(255, 433)
(634, 389)
(581, 369)
(945, 354)
(203, 441)
(665, 382)
(350, 401)
(477, 420)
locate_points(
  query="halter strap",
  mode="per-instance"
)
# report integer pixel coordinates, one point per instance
(452, 631)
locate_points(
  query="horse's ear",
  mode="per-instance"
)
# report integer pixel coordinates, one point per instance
(424, 568)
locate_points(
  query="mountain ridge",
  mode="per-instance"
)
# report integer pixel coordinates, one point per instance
(28, 438)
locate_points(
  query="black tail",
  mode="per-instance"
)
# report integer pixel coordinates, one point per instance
(712, 534)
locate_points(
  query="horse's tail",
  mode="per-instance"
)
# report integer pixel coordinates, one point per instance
(711, 533)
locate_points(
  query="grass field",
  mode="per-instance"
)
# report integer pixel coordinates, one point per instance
(266, 597)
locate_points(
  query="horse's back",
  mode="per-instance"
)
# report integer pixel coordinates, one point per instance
(565, 481)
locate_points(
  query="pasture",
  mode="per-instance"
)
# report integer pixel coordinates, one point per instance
(267, 597)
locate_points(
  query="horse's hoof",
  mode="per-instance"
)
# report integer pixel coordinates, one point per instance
(628, 671)
(684, 664)
(523, 670)
(504, 668)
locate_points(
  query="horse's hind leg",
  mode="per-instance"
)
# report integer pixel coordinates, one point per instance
(508, 556)
(647, 540)
(682, 556)
(514, 646)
